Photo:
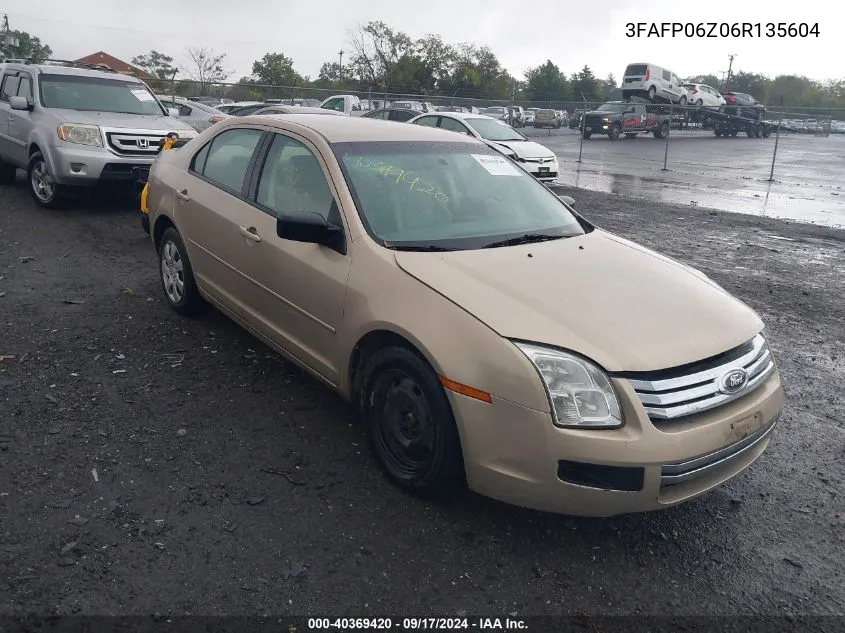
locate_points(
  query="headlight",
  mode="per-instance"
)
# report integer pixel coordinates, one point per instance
(81, 134)
(580, 393)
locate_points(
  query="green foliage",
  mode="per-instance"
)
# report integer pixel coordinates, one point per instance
(156, 64)
(23, 45)
(276, 69)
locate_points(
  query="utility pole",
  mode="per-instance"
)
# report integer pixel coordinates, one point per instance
(9, 42)
(340, 65)
(730, 65)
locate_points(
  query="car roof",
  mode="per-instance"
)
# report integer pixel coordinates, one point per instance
(56, 69)
(294, 109)
(345, 129)
(460, 115)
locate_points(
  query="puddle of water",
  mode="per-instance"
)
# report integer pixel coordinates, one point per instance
(807, 203)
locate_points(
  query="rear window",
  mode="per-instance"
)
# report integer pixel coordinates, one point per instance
(546, 112)
(635, 69)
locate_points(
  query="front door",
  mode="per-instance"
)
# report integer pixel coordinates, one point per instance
(296, 290)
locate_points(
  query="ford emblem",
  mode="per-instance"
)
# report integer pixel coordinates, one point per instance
(733, 381)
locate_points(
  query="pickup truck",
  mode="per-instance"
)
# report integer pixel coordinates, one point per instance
(615, 118)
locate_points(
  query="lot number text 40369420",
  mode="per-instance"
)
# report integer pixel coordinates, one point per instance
(722, 29)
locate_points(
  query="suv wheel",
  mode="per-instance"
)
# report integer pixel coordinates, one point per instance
(652, 93)
(41, 185)
(615, 131)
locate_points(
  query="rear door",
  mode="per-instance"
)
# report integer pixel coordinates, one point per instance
(20, 122)
(211, 202)
(8, 89)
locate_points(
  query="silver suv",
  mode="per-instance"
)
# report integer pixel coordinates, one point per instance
(69, 126)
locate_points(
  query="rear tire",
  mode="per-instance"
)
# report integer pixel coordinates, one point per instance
(409, 422)
(177, 275)
(652, 93)
(44, 190)
(699, 103)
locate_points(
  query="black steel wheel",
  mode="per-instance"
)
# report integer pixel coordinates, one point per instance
(409, 422)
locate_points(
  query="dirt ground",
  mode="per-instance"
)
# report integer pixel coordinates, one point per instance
(152, 464)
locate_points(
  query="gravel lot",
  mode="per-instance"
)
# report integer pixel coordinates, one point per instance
(151, 464)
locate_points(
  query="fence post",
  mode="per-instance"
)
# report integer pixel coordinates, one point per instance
(581, 130)
(775, 152)
(668, 134)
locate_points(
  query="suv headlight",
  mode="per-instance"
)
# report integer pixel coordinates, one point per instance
(580, 394)
(81, 134)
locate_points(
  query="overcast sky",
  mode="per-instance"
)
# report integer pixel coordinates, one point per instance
(570, 33)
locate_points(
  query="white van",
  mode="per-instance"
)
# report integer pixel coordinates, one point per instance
(653, 82)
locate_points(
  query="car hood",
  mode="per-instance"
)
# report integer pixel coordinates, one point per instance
(602, 113)
(622, 305)
(526, 149)
(127, 121)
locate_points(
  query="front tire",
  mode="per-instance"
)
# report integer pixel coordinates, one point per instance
(409, 422)
(587, 135)
(614, 133)
(44, 190)
(652, 93)
(177, 275)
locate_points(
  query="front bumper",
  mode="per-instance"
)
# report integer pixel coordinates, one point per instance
(518, 456)
(81, 165)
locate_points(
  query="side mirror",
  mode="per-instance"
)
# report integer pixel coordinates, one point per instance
(570, 202)
(311, 228)
(19, 103)
(174, 112)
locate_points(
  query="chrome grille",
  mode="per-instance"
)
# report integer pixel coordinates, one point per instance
(697, 389)
(133, 144)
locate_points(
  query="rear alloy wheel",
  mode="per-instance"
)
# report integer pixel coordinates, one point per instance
(177, 275)
(409, 422)
(45, 191)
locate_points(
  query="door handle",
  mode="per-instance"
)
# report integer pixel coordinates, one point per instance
(183, 195)
(250, 233)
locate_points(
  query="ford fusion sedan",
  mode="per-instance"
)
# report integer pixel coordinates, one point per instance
(539, 161)
(488, 334)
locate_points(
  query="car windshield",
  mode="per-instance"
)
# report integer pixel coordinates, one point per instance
(97, 94)
(493, 130)
(612, 107)
(495, 110)
(448, 196)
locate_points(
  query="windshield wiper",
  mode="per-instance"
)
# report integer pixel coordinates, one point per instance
(528, 238)
(417, 247)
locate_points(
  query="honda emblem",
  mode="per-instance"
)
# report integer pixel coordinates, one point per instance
(143, 143)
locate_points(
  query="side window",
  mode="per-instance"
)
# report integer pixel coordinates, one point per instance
(292, 181)
(335, 104)
(184, 110)
(453, 125)
(25, 88)
(227, 159)
(667, 76)
(402, 116)
(198, 163)
(10, 88)
(380, 114)
(430, 121)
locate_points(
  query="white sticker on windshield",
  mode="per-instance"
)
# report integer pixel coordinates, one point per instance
(496, 165)
(143, 95)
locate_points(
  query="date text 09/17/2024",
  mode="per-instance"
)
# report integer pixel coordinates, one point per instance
(413, 624)
(722, 29)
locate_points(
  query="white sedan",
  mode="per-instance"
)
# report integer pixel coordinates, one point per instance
(539, 161)
(703, 95)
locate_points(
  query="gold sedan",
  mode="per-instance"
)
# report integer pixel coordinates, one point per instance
(487, 332)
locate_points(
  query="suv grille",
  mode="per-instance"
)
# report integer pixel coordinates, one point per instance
(675, 393)
(128, 144)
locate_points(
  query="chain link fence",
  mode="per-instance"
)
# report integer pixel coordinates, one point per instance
(706, 155)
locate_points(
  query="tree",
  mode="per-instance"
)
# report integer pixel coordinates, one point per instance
(585, 86)
(20, 44)
(156, 64)
(546, 83)
(276, 69)
(206, 67)
(376, 48)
